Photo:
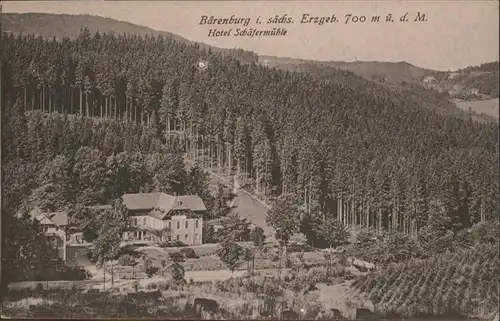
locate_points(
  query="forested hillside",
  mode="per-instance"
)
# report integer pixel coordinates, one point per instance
(348, 148)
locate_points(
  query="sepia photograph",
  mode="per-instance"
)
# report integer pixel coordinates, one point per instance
(250, 160)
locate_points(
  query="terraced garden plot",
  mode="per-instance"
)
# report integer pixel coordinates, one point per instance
(466, 283)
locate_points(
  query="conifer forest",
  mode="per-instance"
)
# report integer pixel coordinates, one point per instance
(349, 148)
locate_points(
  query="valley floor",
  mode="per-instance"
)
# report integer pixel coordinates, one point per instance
(489, 107)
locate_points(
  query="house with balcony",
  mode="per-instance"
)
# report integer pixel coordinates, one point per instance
(54, 226)
(160, 217)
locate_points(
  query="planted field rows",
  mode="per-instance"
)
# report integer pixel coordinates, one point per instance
(452, 283)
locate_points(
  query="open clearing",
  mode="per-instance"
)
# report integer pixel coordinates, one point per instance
(488, 107)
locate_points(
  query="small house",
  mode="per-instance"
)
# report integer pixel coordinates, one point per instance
(54, 226)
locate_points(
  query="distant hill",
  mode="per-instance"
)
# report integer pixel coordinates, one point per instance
(471, 83)
(388, 72)
(63, 25)
(476, 85)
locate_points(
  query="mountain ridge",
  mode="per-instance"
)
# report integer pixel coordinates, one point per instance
(41, 26)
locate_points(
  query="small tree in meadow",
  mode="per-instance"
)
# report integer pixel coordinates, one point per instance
(284, 217)
(258, 237)
(176, 268)
(334, 232)
(177, 271)
(150, 268)
(230, 253)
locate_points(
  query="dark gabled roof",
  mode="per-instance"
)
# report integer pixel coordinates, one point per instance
(144, 201)
(56, 218)
(160, 204)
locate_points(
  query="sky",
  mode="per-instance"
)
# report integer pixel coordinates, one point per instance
(456, 34)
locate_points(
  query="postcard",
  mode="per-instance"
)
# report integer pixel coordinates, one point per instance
(298, 160)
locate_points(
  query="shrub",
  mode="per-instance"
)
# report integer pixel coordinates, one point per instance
(177, 271)
(39, 288)
(189, 253)
(152, 286)
(175, 243)
(481, 233)
(209, 235)
(176, 257)
(74, 273)
(151, 270)
(275, 257)
(272, 288)
(258, 237)
(135, 285)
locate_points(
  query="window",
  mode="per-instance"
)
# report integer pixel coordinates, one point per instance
(196, 235)
(197, 223)
(169, 225)
(178, 237)
(186, 224)
(135, 221)
(186, 237)
(178, 225)
(143, 221)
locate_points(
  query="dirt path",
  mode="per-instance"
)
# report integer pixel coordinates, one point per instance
(245, 204)
(98, 282)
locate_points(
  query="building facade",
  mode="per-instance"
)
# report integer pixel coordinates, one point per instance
(54, 228)
(160, 217)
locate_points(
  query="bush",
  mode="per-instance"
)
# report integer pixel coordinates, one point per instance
(75, 273)
(152, 286)
(151, 270)
(209, 235)
(189, 253)
(175, 243)
(385, 248)
(482, 233)
(39, 287)
(299, 247)
(258, 237)
(176, 257)
(177, 271)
